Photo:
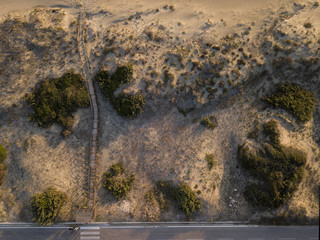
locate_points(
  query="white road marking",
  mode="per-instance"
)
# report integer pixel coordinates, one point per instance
(90, 233)
(90, 238)
(90, 228)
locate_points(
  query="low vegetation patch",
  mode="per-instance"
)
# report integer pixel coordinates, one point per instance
(298, 101)
(116, 182)
(184, 196)
(3, 166)
(280, 169)
(209, 122)
(127, 105)
(45, 206)
(254, 134)
(57, 99)
(210, 160)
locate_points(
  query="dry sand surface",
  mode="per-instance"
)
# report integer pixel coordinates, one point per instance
(220, 59)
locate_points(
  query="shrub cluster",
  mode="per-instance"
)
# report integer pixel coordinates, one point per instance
(3, 167)
(127, 105)
(209, 122)
(116, 182)
(45, 206)
(298, 101)
(279, 168)
(57, 99)
(184, 196)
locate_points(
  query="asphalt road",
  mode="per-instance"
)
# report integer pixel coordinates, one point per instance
(160, 232)
(210, 232)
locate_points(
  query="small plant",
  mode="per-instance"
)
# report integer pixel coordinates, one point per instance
(210, 160)
(129, 105)
(46, 206)
(298, 101)
(107, 50)
(316, 4)
(3, 153)
(116, 182)
(168, 76)
(209, 122)
(307, 25)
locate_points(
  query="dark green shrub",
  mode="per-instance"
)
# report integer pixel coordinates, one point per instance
(209, 122)
(279, 168)
(56, 99)
(184, 196)
(45, 206)
(3, 153)
(293, 98)
(127, 105)
(210, 160)
(116, 182)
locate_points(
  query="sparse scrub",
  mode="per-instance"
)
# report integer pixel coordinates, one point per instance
(279, 168)
(298, 101)
(3, 172)
(209, 122)
(184, 196)
(57, 99)
(116, 182)
(255, 131)
(210, 160)
(45, 206)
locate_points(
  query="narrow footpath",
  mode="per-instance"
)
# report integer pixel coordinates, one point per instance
(87, 75)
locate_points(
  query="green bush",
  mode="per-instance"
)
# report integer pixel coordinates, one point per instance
(127, 105)
(57, 99)
(45, 206)
(298, 101)
(279, 168)
(209, 122)
(116, 182)
(184, 196)
(210, 160)
(130, 105)
(3, 153)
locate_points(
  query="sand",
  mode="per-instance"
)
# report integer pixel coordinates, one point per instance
(182, 37)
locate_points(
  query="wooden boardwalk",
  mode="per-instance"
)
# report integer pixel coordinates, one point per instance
(87, 75)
